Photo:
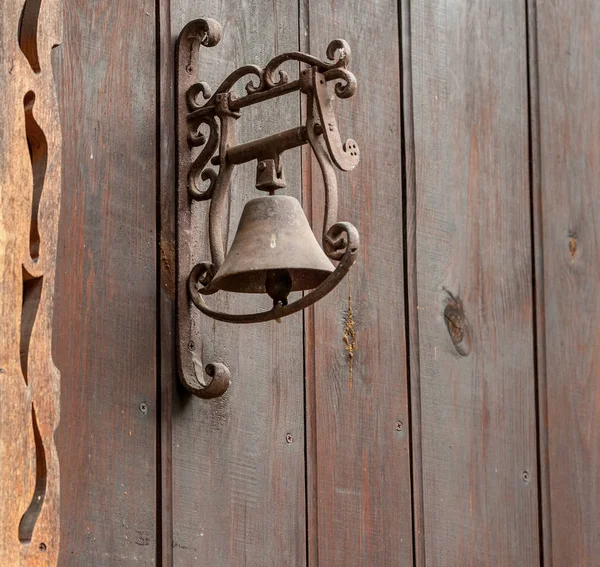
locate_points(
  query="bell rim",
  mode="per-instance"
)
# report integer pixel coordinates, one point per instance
(253, 281)
(273, 233)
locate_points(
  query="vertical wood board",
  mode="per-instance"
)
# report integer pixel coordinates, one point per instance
(474, 283)
(238, 483)
(105, 324)
(358, 447)
(569, 121)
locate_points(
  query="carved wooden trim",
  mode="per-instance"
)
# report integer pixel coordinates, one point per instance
(30, 185)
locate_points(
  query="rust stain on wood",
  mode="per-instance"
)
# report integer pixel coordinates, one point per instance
(30, 186)
(350, 343)
(167, 266)
(572, 246)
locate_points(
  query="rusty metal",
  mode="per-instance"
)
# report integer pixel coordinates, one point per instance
(269, 175)
(278, 311)
(273, 234)
(207, 156)
(268, 147)
(196, 377)
(223, 102)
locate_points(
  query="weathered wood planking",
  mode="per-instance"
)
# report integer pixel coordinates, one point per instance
(238, 484)
(474, 283)
(569, 120)
(30, 185)
(358, 423)
(105, 324)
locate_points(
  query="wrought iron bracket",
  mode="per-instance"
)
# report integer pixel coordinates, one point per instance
(207, 154)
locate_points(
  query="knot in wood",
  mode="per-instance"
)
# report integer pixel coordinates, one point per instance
(457, 325)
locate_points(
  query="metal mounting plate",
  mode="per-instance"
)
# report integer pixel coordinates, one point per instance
(203, 378)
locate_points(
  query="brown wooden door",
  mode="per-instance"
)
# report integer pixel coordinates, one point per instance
(441, 406)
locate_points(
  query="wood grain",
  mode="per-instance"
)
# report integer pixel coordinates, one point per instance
(474, 283)
(30, 186)
(358, 443)
(238, 484)
(569, 215)
(105, 325)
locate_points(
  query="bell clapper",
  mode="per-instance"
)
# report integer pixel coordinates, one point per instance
(278, 285)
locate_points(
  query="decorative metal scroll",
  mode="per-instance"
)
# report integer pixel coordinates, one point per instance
(30, 185)
(203, 114)
(207, 155)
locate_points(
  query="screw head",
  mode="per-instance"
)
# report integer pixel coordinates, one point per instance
(399, 426)
(42, 546)
(144, 408)
(289, 438)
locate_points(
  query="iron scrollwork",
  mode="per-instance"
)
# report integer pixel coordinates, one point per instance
(203, 114)
(208, 155)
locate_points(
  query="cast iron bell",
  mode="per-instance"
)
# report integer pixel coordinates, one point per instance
(274, 251)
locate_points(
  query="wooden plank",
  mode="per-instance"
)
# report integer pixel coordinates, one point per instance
(569, 103)
(105, 324)
(358, 442)
(238, 483)
(30, 186)
(474, 283)
(166, 251)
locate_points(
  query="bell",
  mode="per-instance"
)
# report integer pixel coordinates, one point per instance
(274, 251)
